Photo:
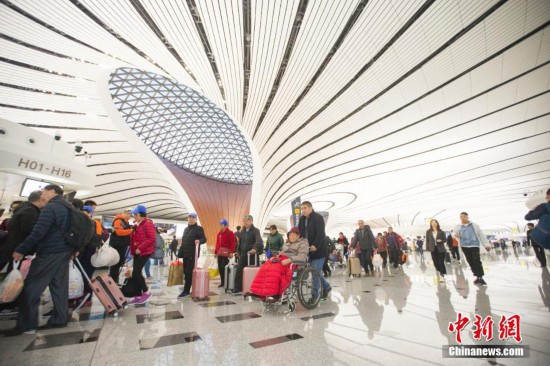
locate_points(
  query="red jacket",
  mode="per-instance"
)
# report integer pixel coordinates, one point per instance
(144, 237)
(225, 239)
(273, 278)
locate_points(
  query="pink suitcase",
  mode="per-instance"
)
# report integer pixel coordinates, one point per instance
(107, 291)
(249, 273)
(201, 281)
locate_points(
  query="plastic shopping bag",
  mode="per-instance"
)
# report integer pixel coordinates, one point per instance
(106, 256)
(213, 269)
(76, 283)
(377, 260)
(25, 267)
(12, 285)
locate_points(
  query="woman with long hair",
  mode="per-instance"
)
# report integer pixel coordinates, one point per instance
(435, 244)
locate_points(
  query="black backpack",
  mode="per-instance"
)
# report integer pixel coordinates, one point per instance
(80, 228)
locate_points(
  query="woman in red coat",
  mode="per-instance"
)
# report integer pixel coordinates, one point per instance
(142, 246)
(226, 242)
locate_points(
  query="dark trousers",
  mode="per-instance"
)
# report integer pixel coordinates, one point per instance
(474, 260)
(222, 263)
(384, 256)
(394, 257)
(188, 266)
(326, 268)
(439, 261)
(541, 255)
(455, 253)
(46, 270)
(139, 280)
(366, 260)
(85, 259)
(114, 271)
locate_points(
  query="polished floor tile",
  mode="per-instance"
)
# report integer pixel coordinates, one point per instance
(168, 315)
(395, 316)
(63, 339)
(217, 303)
(170, 340)
(237, 317)
(276, 340)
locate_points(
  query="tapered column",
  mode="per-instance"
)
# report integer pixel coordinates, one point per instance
(214, 200)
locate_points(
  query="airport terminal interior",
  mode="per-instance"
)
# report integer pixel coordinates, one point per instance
(328, 120)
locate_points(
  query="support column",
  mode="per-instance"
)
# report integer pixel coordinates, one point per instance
(214, 200)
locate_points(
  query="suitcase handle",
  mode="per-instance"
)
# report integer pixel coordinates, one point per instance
(255, 260)
(82, 270)
(197, 245)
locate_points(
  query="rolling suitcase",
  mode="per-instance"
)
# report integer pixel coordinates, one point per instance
(354, 267)
(106, 290)
(230, 274)
(248, 275)
(201, 281)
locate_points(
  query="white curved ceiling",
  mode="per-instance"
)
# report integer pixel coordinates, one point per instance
(410, 106)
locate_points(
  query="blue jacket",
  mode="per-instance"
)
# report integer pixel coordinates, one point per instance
(538, 212)
(48, 234)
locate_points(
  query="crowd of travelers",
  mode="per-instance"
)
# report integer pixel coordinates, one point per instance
(39, 228)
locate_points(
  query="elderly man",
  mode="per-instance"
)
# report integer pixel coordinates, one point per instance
(251, 243)
(365, 239)
(50, 267)
(193, 235)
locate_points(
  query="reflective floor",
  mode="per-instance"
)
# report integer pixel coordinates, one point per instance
(393, 318)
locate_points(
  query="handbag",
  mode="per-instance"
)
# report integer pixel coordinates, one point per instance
(224, 252)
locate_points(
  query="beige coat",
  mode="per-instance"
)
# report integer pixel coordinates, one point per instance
(297, 251)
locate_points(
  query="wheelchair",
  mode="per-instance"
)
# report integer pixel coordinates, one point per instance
(300, 289)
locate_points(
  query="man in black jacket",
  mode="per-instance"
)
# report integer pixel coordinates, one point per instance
(50, 267)
(193, 235)
(19, 227)
(251, 243)
(365, 239)
(312, 227)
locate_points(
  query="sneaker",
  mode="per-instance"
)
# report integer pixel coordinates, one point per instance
(9, 312)
(135, 300)
(482, 282)
(236, 293)
(183, 294)
(143, 299)
(220, 286)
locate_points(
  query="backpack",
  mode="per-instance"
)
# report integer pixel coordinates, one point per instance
(80, 228)
(159, 247)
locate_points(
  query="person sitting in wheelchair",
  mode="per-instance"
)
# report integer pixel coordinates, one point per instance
(275, 274)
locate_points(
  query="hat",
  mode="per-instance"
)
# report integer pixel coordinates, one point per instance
(294, 230)
(193, 215)
(139, 209)
(89, 209)
(224, 222)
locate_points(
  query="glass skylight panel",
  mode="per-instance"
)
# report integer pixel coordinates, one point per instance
(182, 126)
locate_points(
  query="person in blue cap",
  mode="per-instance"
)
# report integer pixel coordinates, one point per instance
(225, 248)
(192, 235)
(142, 246)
